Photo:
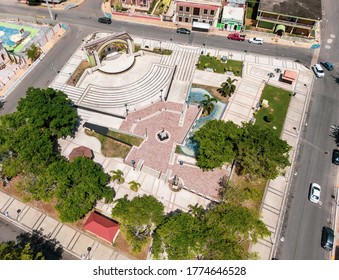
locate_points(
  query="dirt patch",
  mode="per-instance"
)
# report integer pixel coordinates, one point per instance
(213, 91)
(78, 73)
(122, 245)
(257, 187)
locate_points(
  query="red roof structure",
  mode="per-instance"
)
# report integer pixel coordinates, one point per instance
(289, 76)
(102, 226)
(80, 151)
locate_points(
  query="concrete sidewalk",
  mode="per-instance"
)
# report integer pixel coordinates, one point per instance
(72, 240)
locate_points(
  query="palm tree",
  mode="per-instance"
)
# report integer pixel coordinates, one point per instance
(207, 103)
(118, 176)
(227, 88)
(134, 185)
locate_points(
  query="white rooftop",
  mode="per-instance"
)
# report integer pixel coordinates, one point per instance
(233, 12)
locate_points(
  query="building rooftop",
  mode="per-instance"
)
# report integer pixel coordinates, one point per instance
(301, 8)
(233, 13)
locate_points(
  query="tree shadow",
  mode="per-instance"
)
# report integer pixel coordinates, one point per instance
(50, 248)
(335, 134)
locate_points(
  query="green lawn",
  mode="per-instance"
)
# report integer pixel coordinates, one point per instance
(278, 101)
(219, 67)
(125, 138)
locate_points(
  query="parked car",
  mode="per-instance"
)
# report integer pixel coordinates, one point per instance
(327, 238)
(256, 41)
(183, 30)
(106, 20)
(335, 157)
(318, 71)
(327, 65)
(236, 37)
(314, 193)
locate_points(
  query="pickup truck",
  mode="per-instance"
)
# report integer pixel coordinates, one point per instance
(236, 37)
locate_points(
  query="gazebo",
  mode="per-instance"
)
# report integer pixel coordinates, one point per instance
(102, 226)
(81, 151)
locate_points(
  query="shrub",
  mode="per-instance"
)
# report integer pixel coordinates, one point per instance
(269, 118)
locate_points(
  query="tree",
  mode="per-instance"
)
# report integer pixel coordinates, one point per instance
(230, 228)
(216, 143)
(181, 237)
(118, 176)
(48, 109)
(80, 184)
(208, 104)
(33, 52)
(134, 185)
(11, 251)
(41, 244)
(138, 217)
(261, 153)
(228, 88)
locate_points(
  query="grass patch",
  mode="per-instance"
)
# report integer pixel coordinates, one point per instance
(162, 51)
(255, 185)
(125, 138)
(206, 61)
(109, 146)
(278, 102)
(178, 150)
(213, 91)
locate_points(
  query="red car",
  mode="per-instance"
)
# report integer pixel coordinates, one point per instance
(236, 37)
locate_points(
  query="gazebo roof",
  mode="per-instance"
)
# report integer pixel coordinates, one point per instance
(80, 151)
(101, 226)
(289, 75)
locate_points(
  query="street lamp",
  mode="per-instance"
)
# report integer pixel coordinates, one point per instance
(88, 251)
(133, 163)
(161, 94)
(18, 213)
(126, 109)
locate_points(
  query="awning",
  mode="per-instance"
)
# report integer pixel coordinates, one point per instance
(280, 27)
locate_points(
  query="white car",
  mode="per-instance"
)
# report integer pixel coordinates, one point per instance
(314, 194)
(318, 71)
(257, 41)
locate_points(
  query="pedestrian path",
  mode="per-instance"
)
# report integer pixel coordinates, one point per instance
(72, 240)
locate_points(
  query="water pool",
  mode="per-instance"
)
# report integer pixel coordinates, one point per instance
(194, 97)
(5, 35)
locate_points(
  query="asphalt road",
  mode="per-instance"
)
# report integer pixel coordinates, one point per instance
(9, 232)
(83, 21)
(304, 219)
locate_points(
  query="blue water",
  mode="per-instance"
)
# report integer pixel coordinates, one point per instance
(194, 97)
(8, 33)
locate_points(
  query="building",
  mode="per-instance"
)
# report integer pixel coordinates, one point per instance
(236, 3)
(232, 18)
(205, 11)
(102, 227)
(289, 16)
(143, 4)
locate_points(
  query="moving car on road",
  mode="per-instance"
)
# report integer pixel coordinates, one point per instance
(318, 71)
(327, 65)
(327, 238)
(314, 194)
(106, 20)
(256, 41)
(236, 37)
(183, 31)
